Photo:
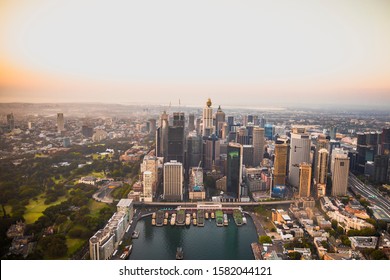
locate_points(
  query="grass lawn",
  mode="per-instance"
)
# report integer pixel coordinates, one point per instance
(95, 206)
(74, 244)
(39, 155)
(98, 174)
(35, 208)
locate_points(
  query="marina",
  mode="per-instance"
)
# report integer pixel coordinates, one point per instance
(183, 216)
(210, 242)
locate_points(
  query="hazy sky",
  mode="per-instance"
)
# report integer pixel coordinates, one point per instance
(236, 52)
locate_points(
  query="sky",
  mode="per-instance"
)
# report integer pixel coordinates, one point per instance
(244, 52)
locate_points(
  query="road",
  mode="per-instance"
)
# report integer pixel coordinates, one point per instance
(369, 193)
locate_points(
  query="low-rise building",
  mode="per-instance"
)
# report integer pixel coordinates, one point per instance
(363, 242)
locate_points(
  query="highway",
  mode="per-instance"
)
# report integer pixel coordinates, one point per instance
(369, 193)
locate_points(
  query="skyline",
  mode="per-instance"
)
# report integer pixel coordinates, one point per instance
(251, 53)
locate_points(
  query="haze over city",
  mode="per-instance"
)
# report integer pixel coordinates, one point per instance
(258, 53)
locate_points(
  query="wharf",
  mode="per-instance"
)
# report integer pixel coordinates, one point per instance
(200, 221)
(160, 218)
(181, 218)
(256, 251)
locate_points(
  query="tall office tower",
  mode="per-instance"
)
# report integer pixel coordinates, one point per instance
(381, 163)
(258, 142)
(198, 126)
(322, 143)
(340, 176)
(242, 136)
(176, 139)
(256, 120)
(219, 121)
(338, 152)
(234, 169)
(280, 163)
(247, 158)
(262, 122)
(225, 131)
(230, 122)
(194, 150)
(178, 119)
(152, 125)
(207, 119)
(385, 141)
(173, 181)
(148, 186)
(269, 131)
(150, 163)
(60, 122)
(191, 122)
(367, 148)
(304, 179)
(10, 121)
(162, 137)
(245, 120)
(299, 152)
(333, 132)
(211, 152)
(250, 119)
(322, 166)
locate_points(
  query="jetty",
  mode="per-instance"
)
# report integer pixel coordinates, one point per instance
(160, 218)
(181, 218)
(200, 220)
(219, 218)
(237, 216)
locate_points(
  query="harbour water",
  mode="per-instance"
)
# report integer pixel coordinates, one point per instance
(199, 243)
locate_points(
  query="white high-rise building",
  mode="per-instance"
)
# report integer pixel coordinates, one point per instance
(258, 145)
(340, 175)
(299, 152)
(173, 180)
(337, 152)
(150, 163)
(148, 186)
(207, 119)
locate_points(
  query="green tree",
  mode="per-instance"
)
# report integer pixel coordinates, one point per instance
(294, 256)
(265, 239)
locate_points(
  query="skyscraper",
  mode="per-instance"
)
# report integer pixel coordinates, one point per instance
(194, 150)
(234, 169)
(207, 119)
(322, 143)
(173, 181)
(191, 122)
(219, 121)
(258, 145)
(162, 137)
(150, 163)
(176, 139)
(299, 152)
(367, 148)
(60, 122)
(211, 152)
(385, 141)
(10, 121)
(340, 175)
(322, 166)
(148, 186)
(304, 179)
(280, 164)
(269, 131)
(242, 136)
(338, 152)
